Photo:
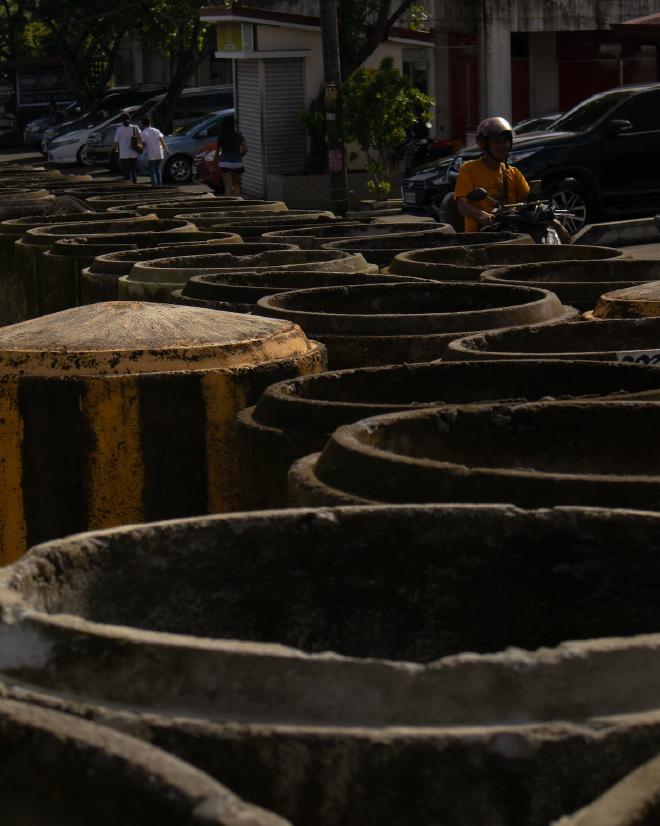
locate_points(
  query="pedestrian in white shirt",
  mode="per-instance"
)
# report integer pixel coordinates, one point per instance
(124, 143)
(156, 149)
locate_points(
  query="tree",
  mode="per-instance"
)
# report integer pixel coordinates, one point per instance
(14, 35)
(174, 26)
(86, 36)
(378, 108)
(365, 24)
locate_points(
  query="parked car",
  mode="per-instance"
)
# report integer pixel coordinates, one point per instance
(607, 143)
(34, 129)
(205, 171)
(182, 147)
(117, 99)
(193, 104)
(72, 146)
(538, 123)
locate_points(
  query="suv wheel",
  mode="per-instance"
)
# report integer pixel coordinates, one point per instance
(178, 169)
(579, 201)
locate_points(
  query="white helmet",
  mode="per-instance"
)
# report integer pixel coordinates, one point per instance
(490, 127)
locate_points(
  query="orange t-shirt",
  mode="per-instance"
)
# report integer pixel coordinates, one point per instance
(475, 174)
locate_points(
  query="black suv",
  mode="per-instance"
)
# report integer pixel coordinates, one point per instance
(609, 143)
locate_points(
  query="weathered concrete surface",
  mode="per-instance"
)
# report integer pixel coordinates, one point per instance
(355, 737)
(629, 340)
(295, 418)
(98, 281)
(364, 326)
(118, 412)
(58, 770)
(633, 801)
(619, 233)
(155, 280)
(463, 262)
(312, 237)
(535, 455)
(578, 283)
(642, 301)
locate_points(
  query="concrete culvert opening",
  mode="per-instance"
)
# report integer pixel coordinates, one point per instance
(58, 770)
(536, 455)
(296, 418)
(579, 283)
(629, 340)
(442, 262)
(472, 580)
(454, 302)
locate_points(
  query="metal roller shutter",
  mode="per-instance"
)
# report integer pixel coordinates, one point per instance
(284, 98)
(249, 107)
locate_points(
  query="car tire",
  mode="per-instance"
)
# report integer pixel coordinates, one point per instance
(81, 156)
(578, 200)
(178, 170)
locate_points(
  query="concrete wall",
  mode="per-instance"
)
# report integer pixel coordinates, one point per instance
(494, 20)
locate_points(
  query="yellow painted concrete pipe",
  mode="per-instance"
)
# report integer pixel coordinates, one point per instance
(124, 412)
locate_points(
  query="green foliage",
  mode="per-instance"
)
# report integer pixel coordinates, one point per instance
(87, 36)
(378, 108)
(313, 120)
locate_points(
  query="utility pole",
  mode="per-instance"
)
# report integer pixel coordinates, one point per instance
(337, 170)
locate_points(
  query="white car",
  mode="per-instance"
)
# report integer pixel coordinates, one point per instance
(72, 147)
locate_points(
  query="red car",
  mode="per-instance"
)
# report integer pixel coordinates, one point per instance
(205, 171)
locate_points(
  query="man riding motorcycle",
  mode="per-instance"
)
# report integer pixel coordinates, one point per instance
(491, 172)
(504, 184)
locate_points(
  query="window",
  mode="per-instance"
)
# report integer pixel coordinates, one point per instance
(643, 111)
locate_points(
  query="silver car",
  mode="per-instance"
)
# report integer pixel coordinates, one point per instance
(183, 145)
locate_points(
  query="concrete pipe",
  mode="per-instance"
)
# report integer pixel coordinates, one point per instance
(58, 770)
(629, 340)
(578, 283)
(14, 300)
(132, 198)
(238, 292)
(535, 455)
(296, 418)
(169, 207)
(642, 301)
(222, 208)
(162, 276)
(469, 262)
(381, 250)
(339, 675)
(99, 279)
(63, 263)
(364, 326)
(120, 412)
(33, 267)
(633, 801)
(269, 220)
(313, 237)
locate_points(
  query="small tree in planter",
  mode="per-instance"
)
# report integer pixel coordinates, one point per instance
(378, 107)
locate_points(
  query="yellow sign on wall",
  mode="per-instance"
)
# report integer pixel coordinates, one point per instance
(234, 37)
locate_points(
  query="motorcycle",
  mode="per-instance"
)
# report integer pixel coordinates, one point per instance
(420, 149)
(538, 218)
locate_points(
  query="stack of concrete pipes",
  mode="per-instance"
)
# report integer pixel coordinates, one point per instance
(416, 581)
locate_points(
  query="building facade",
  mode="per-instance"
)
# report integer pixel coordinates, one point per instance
(278, 71)
(520, 57)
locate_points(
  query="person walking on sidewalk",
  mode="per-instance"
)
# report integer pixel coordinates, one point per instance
(156, 149)
(230, 150)
(125, 143)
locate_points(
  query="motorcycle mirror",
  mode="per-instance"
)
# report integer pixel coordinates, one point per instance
(534, 186)
(566, 183)
(477, 194)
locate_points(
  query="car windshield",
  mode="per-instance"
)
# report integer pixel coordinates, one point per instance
(590, 111)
